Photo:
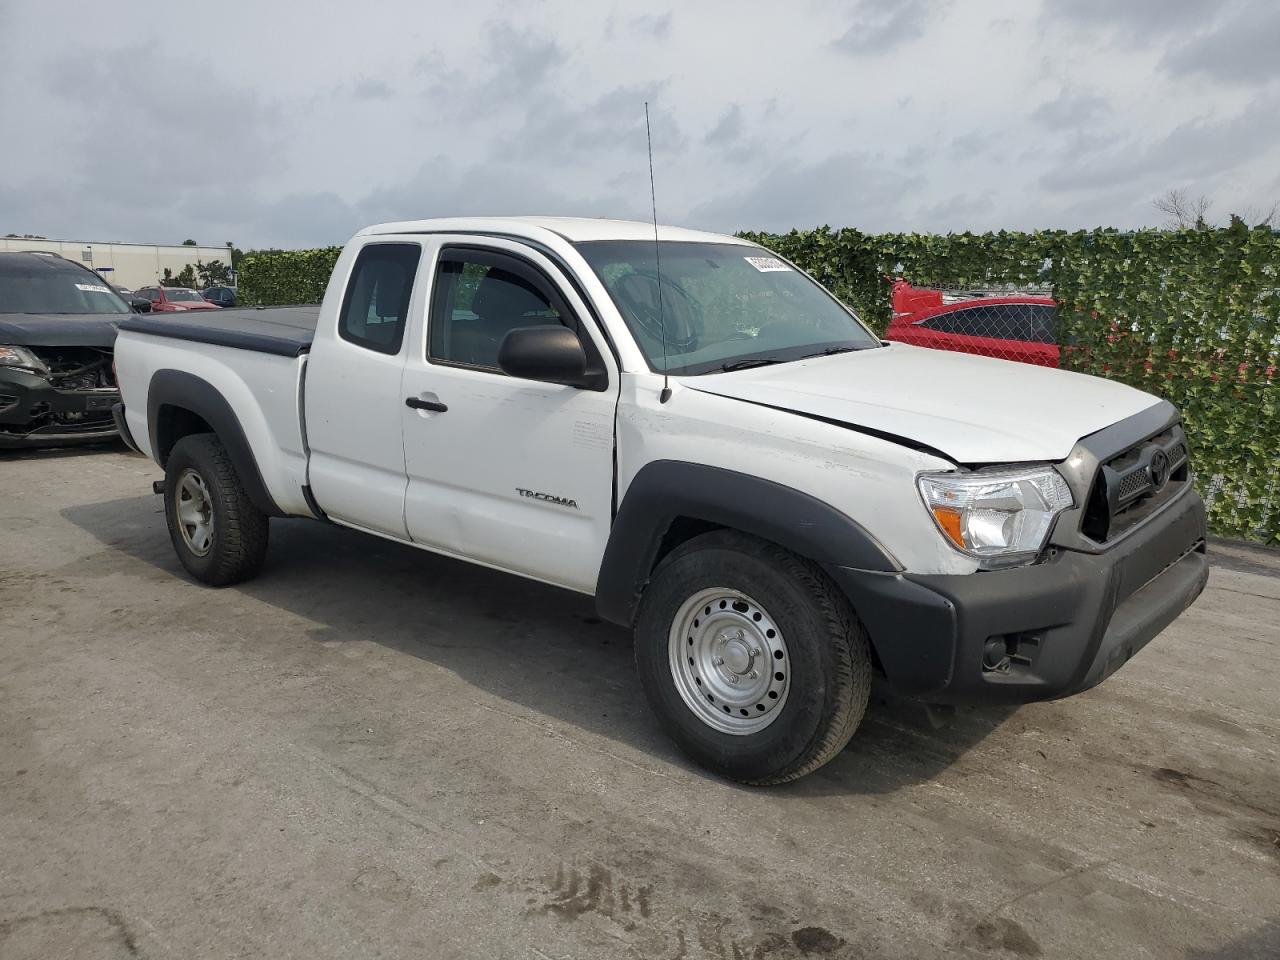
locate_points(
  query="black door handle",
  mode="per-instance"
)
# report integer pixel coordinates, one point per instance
(417, 403)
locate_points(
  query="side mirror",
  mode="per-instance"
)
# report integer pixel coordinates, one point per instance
(549, 353)
(140, 304)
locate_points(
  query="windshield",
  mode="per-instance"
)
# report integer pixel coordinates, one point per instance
(181, 293)
(31, 283)
(723, 305)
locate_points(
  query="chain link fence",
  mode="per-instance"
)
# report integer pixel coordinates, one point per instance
(1003, 323)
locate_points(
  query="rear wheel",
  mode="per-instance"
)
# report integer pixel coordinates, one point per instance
(753, 660)
(217, 532)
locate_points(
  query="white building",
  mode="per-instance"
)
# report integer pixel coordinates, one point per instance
(129, 265)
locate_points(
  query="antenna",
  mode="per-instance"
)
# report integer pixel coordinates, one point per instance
(665, 395)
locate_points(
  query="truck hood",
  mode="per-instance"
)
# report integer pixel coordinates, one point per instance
(60, 329)
(972, 409)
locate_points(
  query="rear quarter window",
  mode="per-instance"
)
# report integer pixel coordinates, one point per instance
(375, 306)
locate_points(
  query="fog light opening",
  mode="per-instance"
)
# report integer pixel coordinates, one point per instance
(995, 655)
(1013, 652)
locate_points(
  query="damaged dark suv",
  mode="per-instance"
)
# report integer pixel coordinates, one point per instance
(57, 334)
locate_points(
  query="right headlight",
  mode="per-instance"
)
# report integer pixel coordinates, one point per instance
(22, 358)
(1001, 516)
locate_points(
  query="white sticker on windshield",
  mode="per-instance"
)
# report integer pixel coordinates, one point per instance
(92, 288)
(767, 264)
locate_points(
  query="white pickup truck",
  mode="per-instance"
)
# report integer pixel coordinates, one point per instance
(777, 502)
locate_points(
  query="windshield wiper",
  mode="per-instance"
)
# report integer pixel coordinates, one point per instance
(748, 363)
(831, 351)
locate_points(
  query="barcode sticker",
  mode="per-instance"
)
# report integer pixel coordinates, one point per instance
(92, 288)
(767, 264)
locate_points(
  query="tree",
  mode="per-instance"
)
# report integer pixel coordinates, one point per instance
(1184, 212)
(186, 277)
(1258, 217)
(213, 274)
(1191, 213)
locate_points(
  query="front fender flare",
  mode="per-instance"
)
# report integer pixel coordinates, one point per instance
(665, 490)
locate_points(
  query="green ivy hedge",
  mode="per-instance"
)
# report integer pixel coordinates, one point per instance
(1193, 316)
(270, 277)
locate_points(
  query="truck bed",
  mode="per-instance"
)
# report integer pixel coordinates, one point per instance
(283, 331)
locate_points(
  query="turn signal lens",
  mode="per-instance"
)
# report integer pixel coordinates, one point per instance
(949, 520)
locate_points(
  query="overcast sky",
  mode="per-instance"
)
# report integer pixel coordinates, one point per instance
(294, 124)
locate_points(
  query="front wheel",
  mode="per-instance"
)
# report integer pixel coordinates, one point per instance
(753, 660)
(217, 532)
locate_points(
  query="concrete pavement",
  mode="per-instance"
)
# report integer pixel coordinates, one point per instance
(370, 751)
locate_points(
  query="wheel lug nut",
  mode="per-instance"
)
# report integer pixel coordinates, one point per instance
(755, 675)
(719, 661)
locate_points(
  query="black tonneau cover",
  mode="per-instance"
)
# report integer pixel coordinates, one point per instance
(283, 331)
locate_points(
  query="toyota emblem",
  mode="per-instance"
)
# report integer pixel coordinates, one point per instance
(1158, 469)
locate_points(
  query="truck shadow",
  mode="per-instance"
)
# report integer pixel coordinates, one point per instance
(1262, 942)
(537, 646)
(97, 447)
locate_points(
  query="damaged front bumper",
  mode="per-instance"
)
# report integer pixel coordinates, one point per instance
(35, 413)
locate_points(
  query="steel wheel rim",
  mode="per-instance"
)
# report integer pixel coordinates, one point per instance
(194, 508)
(729, 661)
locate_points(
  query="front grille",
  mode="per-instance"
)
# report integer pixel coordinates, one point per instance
(1136, 483)
(1133, 483)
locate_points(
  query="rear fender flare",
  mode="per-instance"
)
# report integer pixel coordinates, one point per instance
(186, 391)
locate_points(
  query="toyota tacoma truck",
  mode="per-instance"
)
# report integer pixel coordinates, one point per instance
(690, 429)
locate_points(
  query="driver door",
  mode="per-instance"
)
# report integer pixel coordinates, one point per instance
(512, 473)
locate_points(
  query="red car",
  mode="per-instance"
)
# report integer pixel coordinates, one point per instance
(175, 299)
(1021, 327)
(1011, 326)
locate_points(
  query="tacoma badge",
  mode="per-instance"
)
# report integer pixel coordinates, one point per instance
(548, 497)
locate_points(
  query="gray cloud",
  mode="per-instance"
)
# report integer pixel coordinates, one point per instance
(1069, 111)
(653, 25)
(524, 61)
(560, 130)
(1194, 149)
(880, 26)
(728, 129)
(369, 89)
(1134, 21)
(444, 187)
(844, 188)
(972, 143)
(127, 168)
(990, 115)
(966, 211)
(1244, 48)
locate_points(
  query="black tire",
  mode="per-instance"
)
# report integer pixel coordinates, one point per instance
(828, 649)
(239, 529)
